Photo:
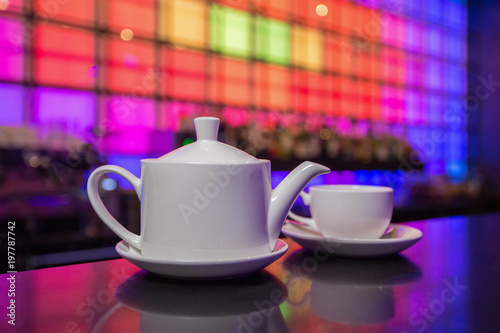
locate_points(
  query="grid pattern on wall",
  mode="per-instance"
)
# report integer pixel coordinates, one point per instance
(135, 69)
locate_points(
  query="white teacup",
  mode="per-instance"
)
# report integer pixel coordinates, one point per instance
(348, 211)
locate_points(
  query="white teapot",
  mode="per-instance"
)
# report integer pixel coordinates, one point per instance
(206, 201)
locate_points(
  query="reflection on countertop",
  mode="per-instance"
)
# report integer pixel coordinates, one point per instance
(351, 291)
(248, 304)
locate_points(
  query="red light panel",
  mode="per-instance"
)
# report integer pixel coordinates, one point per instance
(305, 13)
(130, 67)
(333, 54)
(73, 11)
(183, 74)
(238, 4)
(347, 17)
(333, 95)
(139, 16)
(273, 8)
(64, 56)
(272, 87)
(308, 92)
(230, 81)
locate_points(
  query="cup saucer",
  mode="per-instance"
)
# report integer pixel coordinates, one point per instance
(202, 270)
(400, 238)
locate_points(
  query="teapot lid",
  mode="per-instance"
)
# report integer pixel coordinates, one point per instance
(206, 148)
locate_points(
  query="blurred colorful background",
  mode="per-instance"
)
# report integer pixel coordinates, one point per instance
(375, 89)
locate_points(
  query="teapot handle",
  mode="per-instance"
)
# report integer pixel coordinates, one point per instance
(97, 204)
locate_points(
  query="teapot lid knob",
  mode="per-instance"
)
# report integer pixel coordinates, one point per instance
(206, 128)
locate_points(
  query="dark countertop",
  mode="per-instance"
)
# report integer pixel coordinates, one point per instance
(448, 282)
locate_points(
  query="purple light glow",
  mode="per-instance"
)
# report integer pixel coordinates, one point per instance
(435, 167)
(434, 110)
(234, 116)
(455, 47)
(370, 3)
(434, 74)
(413, 107)
(456, 15)
(129, 123)
(413, 36)
(456, 79)
(434, 41)
(73, 112)
(129, 162)
(12, 97)
(11, 49)
(174, 112)
(344, 126)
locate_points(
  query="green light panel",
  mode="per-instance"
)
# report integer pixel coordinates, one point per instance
(273, 41)
(230, 31)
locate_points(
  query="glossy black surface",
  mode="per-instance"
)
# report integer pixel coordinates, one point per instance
(447, 282)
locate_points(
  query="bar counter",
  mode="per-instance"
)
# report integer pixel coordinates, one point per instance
(447, 282)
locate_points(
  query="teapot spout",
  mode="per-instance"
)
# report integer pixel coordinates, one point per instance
(285, 194)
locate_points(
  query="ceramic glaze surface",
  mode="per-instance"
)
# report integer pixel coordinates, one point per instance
(348, 211)
(206, 201)
(401, 238)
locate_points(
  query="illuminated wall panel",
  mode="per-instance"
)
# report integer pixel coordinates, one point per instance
(392, 99)
(454, 78)
(349, 99)
(272, 87)
(332, 19)
(13, 98)
(183, 74)
(81, 11)
(12, 5)
(278, 9)
(272, 41)
(414, 39)
(307, 48)
(367, 25)
(139, 16)
(393, 65)
(393, 30)
(338, 55)
(413, 108)
(183, 22)
(230, 31)
(434, 41)
(307, 92)
(11, 49)
(305, 13)
(64, 56)
(455, 15)
(375, 105)
(333, 95)
(396, 66)
(129, 121)
(455, 47)
(230, 82)
(347, 16)
(434, 72)
(414, 71)
(73, 112)
(129, 66)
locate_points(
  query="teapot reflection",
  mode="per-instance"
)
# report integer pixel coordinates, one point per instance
(245, 305)
(349, 291)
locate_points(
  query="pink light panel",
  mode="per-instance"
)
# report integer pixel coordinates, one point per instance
(12, 39)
